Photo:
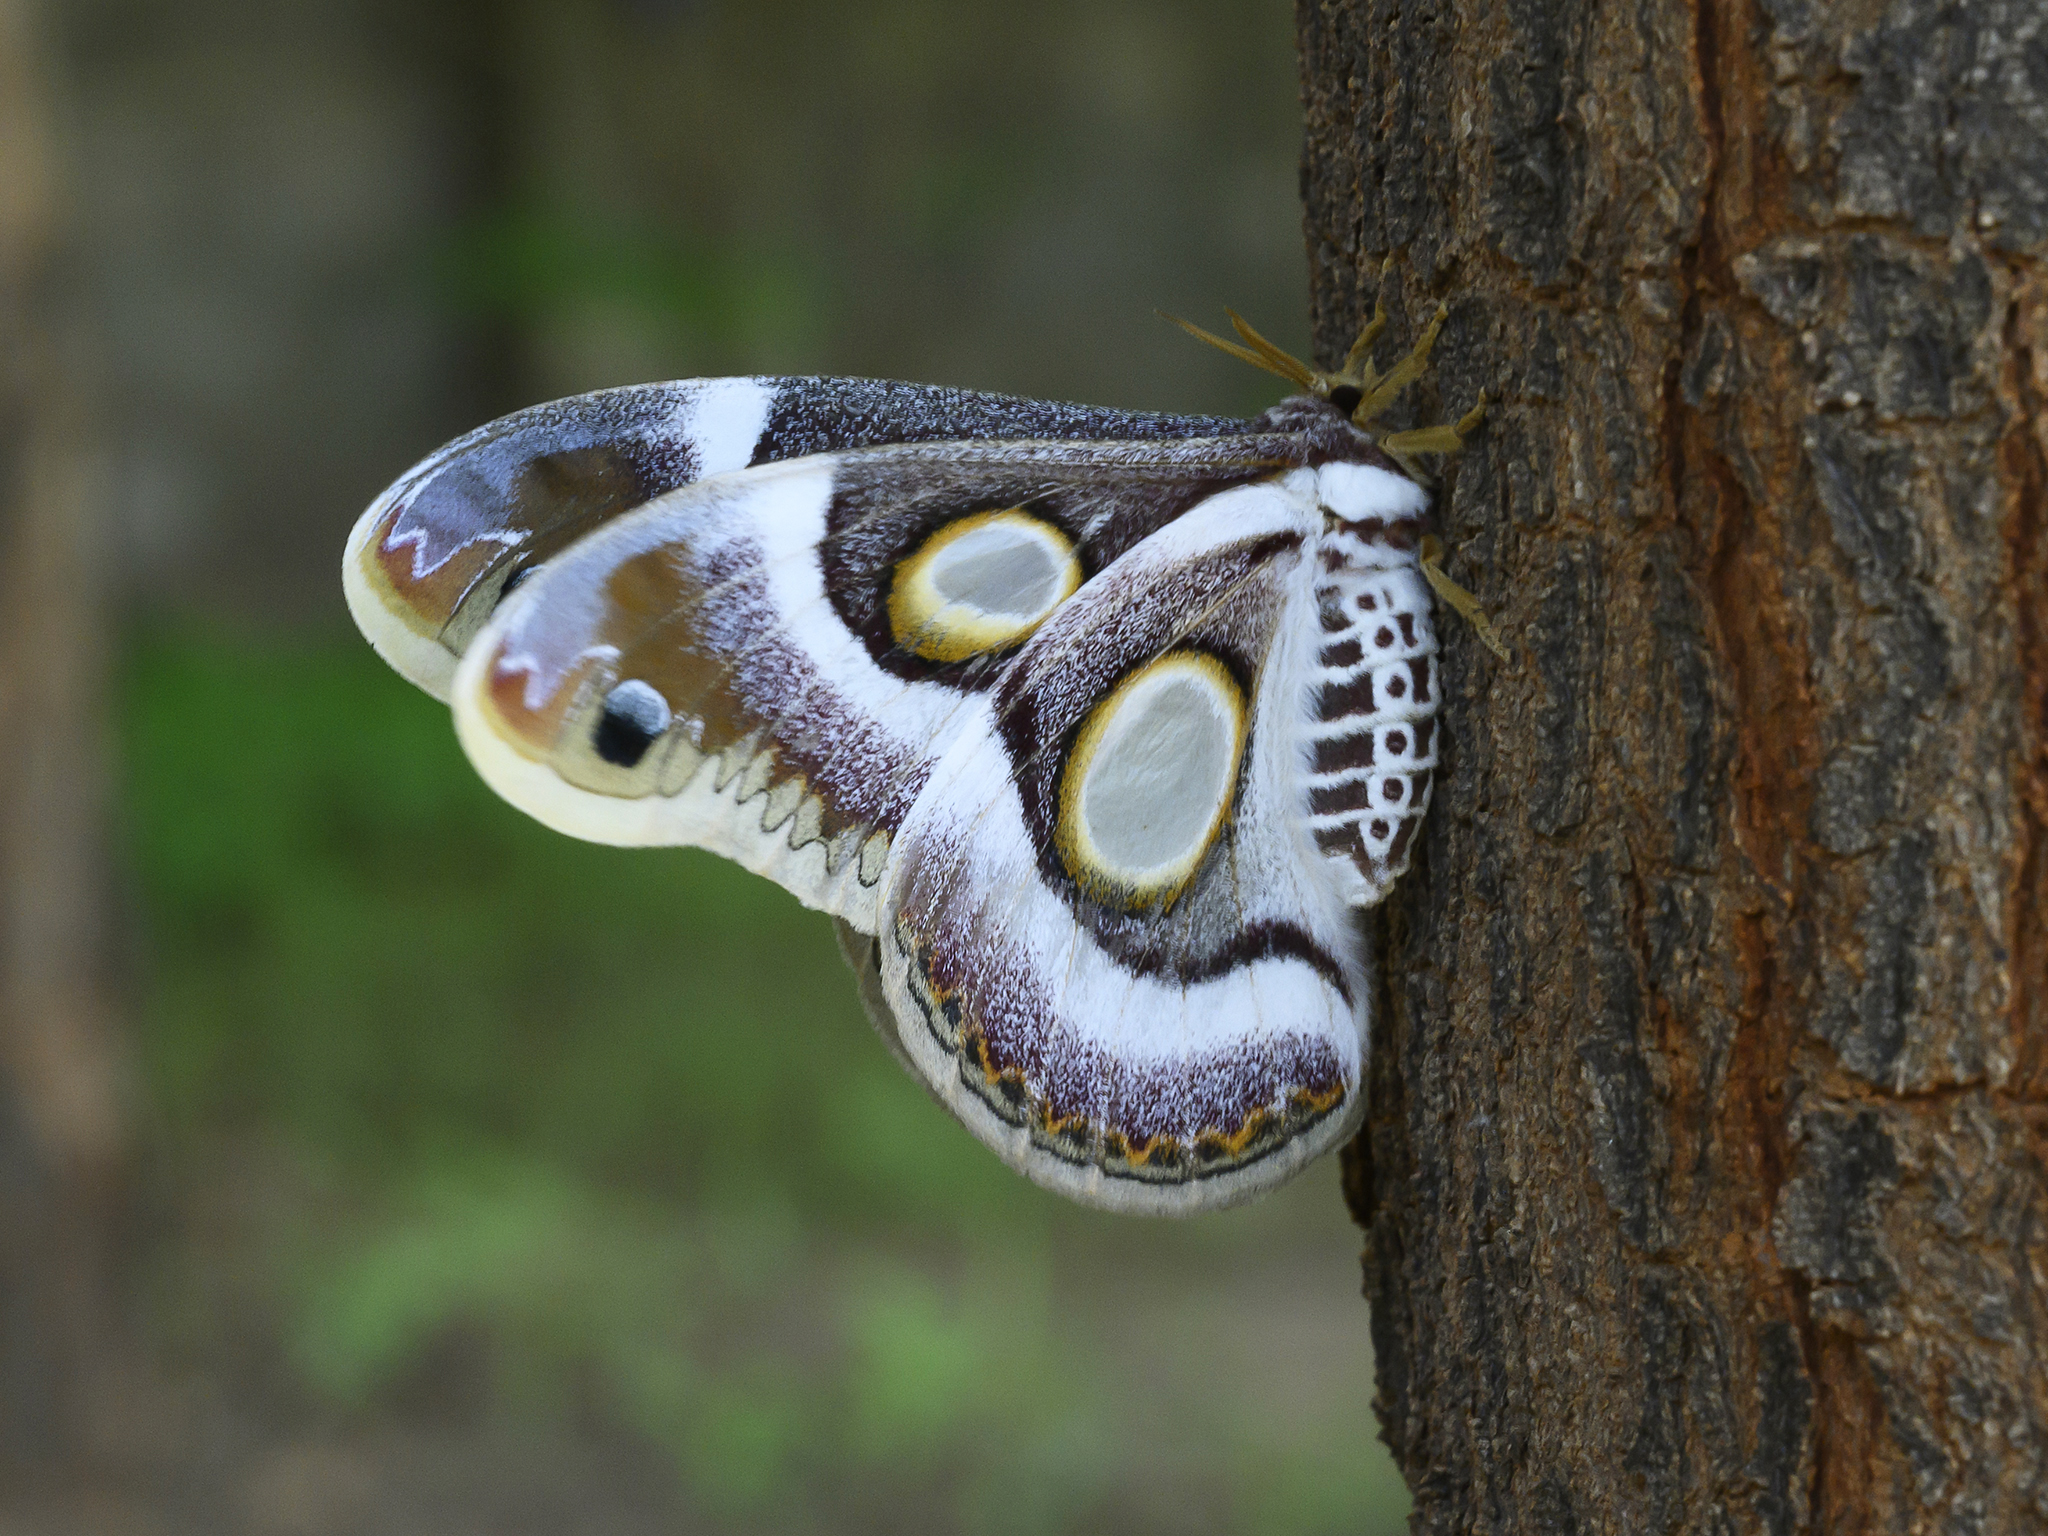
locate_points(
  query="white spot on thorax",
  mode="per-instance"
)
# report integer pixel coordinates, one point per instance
(1355, 492)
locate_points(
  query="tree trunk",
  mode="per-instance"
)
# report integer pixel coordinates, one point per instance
(61, 1131)
(1704, 1180)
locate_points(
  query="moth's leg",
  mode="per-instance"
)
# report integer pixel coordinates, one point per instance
(1403, 373)
(1457, 597)
(1358, 366)
(1444, 437)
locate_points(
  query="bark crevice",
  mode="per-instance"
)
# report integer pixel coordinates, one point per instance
(2024, 449)
(1702, 1172)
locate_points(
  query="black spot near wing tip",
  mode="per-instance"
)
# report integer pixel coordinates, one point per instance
(633, 719)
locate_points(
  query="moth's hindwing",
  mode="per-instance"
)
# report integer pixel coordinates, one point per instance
(1108, 939)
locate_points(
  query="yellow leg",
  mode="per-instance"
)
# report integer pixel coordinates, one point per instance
(1403, 373)
(1457, 597)
(1445, 437)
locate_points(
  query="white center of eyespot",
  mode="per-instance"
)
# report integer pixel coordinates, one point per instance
(1150, 779)
(979, 583)
(638, 703)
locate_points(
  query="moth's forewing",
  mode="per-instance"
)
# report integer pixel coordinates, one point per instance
(428, 562)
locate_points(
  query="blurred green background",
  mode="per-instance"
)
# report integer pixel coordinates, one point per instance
(495, 1182)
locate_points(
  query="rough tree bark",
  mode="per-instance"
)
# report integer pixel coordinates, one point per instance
(1704, 1180)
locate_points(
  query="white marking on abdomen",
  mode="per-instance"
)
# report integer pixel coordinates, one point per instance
(1369, 736)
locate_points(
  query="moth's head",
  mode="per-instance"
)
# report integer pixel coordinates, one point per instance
(1357, 392)
(1326, 433)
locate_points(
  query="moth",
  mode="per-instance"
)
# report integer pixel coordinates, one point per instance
(1091, 729)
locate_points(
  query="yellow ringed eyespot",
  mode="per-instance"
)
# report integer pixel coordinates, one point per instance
(1150, 780)
(980, 583)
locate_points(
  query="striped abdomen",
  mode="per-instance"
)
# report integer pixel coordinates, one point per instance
(1371, 727)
